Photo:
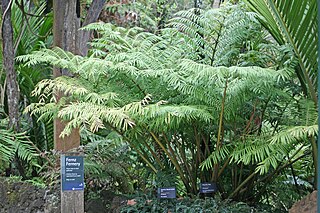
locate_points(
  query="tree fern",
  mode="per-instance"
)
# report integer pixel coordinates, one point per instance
(224, 33)
(177, 127)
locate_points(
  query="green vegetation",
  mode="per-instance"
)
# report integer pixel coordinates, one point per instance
(188, 205)
(176, 97)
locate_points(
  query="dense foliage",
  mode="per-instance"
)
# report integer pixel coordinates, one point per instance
(188, 205)
(189, 96)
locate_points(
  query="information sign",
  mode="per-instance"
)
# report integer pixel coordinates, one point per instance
(208, 188)
(72, 173)
(168, 192)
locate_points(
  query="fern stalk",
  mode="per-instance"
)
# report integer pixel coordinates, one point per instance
(206, 141)
(173, 160)
(286, 164)
(241, 185)
(198, 152)
(247, 129)
(263, 114)
(136, 149)
(215, 47)
(226, 163)
(153, 154)
(193, 180)
(219, 137)
(39, 152)
(144, 158)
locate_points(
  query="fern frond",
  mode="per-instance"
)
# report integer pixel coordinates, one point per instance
(16, 143)
(96, 116)
(295, 134)
(217, 156)
(163, 117)
(260, 152)
(107, 99)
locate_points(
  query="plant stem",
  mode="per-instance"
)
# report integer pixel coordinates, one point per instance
(241, 185)
(219, 141)
(153, 154)
(135, 148)
(173, 160)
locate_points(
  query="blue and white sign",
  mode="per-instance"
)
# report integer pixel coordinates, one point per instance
(208, 188)
(72, 173)
(168, 192)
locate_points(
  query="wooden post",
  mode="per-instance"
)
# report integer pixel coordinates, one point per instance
(72, 201)
(65, 35)
(65, 31)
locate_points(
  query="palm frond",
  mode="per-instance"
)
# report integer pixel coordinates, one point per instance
(294, 22)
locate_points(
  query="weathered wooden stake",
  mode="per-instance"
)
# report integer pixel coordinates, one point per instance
(72, 202)
(72, 194)
(65, 33)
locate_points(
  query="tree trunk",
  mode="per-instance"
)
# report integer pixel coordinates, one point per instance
(66, 16)
(65, 26)
(92, 16)
(12, 89)
(216, 3)
(12, 86)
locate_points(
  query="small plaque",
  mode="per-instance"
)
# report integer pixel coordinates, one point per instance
(72, 173)
(168, 192)
(208, 187)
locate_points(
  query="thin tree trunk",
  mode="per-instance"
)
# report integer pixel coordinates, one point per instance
(66, 16)
(12, 87)
(216, 3)
(220, 132)
(65, 26)
(92, 16)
